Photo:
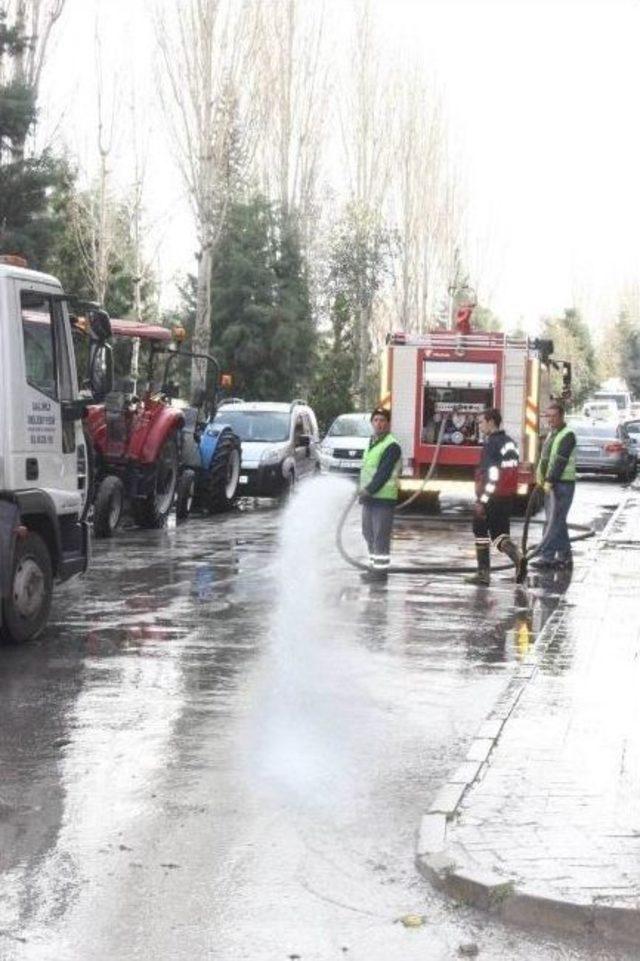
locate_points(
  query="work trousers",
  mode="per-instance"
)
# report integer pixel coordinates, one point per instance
(496, 521)
(377, 524)
(558, 542)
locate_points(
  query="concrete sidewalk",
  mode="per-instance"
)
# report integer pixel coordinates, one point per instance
(541, 822)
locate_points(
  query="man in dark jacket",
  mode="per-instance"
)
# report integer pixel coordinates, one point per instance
(556, 476)
(496, 483)
(378, 495)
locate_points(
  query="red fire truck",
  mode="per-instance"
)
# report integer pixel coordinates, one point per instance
(453, 375)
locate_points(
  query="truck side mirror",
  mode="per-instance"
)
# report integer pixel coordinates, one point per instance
(101, 371)
(99, 324)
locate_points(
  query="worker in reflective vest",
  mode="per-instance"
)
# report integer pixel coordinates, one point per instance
(557, 473)
(496, 483)
(378, 494)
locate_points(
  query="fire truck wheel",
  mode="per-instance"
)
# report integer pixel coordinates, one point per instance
(107, 509)
(26, 610)
(185, 494)
(151, 511)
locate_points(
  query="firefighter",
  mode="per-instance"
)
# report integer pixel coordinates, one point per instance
(557, 472)
(379, 493)
(496, 483)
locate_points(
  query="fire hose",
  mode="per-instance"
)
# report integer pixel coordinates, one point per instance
(583, 532)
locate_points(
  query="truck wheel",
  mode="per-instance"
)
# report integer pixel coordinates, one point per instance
(151, 512)
(220, 487)
(185, 493)
(26, 610)
(107, 509)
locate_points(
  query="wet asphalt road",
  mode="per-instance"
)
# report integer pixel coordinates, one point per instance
(221, 749)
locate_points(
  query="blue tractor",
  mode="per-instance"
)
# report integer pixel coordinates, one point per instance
(210, 454)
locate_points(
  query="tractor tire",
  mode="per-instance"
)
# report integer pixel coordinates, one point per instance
(185, 493)
(220, 485)
(26, 609)
(107, 507)
(151, 512)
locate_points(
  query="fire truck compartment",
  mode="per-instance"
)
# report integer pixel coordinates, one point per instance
(456, 394)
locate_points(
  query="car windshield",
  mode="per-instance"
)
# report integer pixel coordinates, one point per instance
(633, 427)
(267, 426)
(595, 430)
(350, 425)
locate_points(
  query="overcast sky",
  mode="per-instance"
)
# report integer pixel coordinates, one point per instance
(542, 99)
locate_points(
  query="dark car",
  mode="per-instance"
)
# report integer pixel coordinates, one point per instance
(604, 447)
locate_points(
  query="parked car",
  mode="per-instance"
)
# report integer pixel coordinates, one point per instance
(632, 430)
(604, 447)
(279, 444)
(345, 443)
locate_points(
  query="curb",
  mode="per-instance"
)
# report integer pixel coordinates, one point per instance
(448, 866)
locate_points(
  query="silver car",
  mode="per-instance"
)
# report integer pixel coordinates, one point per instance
(604, 448)
(279, 444)
(344, 444)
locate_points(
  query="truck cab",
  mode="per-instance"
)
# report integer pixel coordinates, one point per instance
(44, 460)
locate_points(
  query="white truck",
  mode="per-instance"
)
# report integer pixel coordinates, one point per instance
(44, 460)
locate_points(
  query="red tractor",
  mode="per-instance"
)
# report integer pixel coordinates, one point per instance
(135, 434)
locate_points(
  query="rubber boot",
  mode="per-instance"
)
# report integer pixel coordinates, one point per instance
(515, 555)
(483, 576)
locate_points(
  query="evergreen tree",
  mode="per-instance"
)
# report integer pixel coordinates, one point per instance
(28, 185)
(335, 368)
(572, 342)
(261, 317)
(360, 257)
(627, 344)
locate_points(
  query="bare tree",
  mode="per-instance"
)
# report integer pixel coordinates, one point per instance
(419, 196)
(207, 52)
(294, 68)
(365, 114)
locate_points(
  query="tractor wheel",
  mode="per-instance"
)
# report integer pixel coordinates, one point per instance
(107, 508)
(220, 487)
(185, 493)
(26, 609)
(152, 511)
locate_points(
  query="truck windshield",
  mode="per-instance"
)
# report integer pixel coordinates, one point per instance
(267, 426)
(350, 425)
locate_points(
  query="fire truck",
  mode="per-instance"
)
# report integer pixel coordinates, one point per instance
(438, 383)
